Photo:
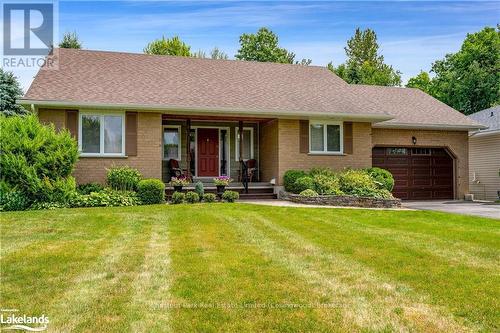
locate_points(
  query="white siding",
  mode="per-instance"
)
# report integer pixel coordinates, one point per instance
(484, 159)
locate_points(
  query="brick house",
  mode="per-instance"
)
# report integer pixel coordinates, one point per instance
(208, 115)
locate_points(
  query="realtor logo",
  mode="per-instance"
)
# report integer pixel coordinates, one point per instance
(28, 28)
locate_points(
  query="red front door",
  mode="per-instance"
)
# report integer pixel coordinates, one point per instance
(208, 152)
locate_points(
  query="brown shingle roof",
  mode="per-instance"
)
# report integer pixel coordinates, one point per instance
(87, 77)
(412, 107)
(149, 80)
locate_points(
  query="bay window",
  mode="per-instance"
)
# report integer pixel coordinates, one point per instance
(325, 137)
(101, 134)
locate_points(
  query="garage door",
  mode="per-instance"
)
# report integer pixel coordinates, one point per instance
(419, 173)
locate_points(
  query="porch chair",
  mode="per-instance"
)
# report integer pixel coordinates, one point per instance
(251, 170)
(173, 168)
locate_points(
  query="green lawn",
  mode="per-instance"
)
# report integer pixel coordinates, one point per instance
(240, 267)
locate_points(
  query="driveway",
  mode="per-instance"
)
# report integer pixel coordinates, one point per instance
(457, 206)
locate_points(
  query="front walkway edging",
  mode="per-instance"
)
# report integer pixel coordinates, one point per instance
(344, 201)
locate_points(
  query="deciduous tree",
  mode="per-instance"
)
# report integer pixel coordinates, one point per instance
(364, 65)
(172, 46)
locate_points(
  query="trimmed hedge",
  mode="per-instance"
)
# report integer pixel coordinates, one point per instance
(289, 179)
(230, 196)
(309, 193)
(178, 197)
(192, 197)
(209, 197)
(151, 191)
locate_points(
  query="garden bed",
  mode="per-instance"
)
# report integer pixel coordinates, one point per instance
(341, 200)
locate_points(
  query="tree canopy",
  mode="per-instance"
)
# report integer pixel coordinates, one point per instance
(263, 46)
(469, 80)
(422, 81)
(10, 90)
(172, 46)
(70, 41)
(215, 53)
(364, 65)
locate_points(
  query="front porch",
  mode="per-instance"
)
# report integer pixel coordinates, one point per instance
(205, 147)
(256, 190)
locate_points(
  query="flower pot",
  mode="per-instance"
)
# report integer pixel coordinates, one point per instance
(220, 190)
(177, 188)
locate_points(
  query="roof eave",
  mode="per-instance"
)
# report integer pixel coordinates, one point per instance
(366, 117)
(441, 127)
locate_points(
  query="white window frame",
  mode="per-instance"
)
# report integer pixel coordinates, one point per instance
(325, 143)
(237, 145)
(101, 115)
(179, 151)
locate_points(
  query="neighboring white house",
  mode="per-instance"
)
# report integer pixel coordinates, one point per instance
(484, 155)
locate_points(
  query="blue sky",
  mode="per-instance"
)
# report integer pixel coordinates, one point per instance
(411, 34)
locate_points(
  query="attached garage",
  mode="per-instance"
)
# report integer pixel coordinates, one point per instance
(419, 173)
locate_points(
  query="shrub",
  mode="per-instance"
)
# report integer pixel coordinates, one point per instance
(34, 154)
(383, 178)
(199, 189)
(89, 188)
(13, 200)
(178, 197)
(209, 197)
(357, 183)
(192, 197)
(324, 184)
(151, 191)
(324, 171)
(123, 178)
(303, 183)
(230, 196)
(61, 190)
(309, 193)
(106, 198)
(47, 205)
(289, 179)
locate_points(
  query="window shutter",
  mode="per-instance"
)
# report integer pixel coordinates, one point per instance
(348, 140)
(131, 133)
(304, 137)
(72, 123)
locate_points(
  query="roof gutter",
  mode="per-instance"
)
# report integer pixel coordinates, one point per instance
(441, 127)
(369, 117)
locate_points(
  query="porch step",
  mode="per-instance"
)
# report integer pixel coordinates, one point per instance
(259, 196)
(255, 190)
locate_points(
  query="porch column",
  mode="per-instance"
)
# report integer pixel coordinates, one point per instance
(188, 148)
(240, 150)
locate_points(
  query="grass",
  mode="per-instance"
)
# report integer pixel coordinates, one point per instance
(223, 267)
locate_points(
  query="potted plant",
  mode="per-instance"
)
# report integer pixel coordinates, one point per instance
(221, 183)
(178, 183)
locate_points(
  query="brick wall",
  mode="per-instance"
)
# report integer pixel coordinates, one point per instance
(148, 160)
(291, 158)
(269, 150)
(56, 117)
(455, 141)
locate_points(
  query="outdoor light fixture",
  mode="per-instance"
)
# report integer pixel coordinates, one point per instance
(414, 140)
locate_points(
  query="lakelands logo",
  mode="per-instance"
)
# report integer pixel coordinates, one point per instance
(11, 320)
(28, 33)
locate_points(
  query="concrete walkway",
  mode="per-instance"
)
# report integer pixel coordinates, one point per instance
(456, 206)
